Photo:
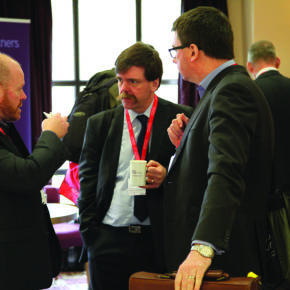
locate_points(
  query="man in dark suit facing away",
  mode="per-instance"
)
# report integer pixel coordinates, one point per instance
(263, 64)
(118, 240)
(218, 184)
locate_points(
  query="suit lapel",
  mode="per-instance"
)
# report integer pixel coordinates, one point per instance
(114, 140)
(14, 142)
(191, 121)
(159, 131)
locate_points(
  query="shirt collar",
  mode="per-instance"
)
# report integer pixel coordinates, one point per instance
(266, 69)
(4, 126)
(206, 81)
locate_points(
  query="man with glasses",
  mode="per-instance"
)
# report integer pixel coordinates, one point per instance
(218, 183)
(173, 50)
(123, 233)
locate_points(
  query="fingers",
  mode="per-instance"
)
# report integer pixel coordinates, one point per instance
(184, 120)
(155, 174)
(177, 282)
(188, 282)
(153, 163)
(56, 123)
(185, 282)
(198, 281)
(150, 180)
(191, 272)
(176, 129)
(151, 183)
(173, 137)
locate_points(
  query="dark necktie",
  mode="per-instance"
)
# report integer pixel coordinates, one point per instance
(140, 206)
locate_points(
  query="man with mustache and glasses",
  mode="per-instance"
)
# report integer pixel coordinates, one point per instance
(26, 232)
(120, 237)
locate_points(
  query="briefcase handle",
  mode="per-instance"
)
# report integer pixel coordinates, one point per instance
(213, 275)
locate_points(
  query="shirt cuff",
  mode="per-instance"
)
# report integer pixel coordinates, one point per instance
(218, 251)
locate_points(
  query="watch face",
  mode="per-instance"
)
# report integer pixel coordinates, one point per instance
(205, 251)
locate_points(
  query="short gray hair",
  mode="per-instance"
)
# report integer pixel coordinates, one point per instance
(262, 50)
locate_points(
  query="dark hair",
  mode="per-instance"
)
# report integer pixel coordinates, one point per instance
(142, 55)
(209, 29)
(262, 49)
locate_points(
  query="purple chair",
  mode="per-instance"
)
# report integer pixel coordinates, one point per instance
(67, 233)
(52, 194)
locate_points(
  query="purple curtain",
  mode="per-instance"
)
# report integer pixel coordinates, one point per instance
(39, 12)
(187, 91)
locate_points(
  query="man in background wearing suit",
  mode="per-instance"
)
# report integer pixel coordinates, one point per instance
(117, 241)
(29, 249)
(263, 64)
(218, 184)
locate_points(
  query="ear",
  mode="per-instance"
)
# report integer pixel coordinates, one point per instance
(194, 51)
(277, 62)
(155, 85)
(250, 67)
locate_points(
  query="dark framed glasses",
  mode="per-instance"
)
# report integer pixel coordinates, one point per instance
(173, 50)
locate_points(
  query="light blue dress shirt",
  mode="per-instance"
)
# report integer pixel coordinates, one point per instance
(120, 212)
(207, 80)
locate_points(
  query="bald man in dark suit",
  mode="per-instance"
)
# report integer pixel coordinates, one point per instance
(29, 249)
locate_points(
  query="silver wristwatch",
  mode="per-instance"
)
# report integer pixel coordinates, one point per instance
(205, 251)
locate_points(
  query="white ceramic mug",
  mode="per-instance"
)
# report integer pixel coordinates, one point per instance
(138, 172)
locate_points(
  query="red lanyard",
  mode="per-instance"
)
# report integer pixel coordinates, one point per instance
(148, 132)
(2, 131)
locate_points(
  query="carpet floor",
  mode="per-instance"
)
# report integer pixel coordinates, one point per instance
(70, 281)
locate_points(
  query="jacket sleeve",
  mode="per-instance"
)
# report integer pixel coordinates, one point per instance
(34, 171)
(88, 176)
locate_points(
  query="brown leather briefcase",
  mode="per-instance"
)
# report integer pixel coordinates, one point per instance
(214, 280)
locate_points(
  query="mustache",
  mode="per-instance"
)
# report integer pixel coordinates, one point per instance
(124, 95)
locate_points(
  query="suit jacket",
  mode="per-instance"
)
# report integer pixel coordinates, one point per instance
(276, 89)
(217, 187)
(26, 259)
(99, 162)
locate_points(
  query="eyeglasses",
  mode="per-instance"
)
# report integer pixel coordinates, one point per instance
(173, 50)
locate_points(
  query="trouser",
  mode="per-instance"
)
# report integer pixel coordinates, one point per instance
(117, 254)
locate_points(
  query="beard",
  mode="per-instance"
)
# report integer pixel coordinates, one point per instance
(8, 111)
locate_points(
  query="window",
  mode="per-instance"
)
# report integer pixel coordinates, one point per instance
(88, 35)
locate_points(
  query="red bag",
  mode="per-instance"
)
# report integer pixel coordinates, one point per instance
(70, 187)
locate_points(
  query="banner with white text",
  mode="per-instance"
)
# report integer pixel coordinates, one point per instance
(14, 41)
